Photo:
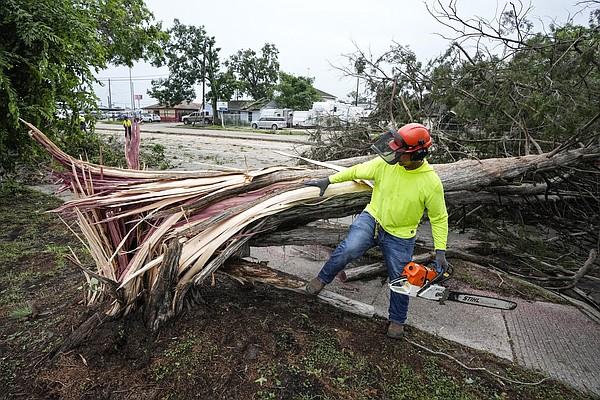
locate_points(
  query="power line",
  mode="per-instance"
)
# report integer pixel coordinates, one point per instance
(126, 79)
(134, 76)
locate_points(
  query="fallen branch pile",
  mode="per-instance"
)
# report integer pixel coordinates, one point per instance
(154, 235)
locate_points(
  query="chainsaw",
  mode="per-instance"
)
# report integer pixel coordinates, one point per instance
(418, 280)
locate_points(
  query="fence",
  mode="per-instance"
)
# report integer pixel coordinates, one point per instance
(235, 120)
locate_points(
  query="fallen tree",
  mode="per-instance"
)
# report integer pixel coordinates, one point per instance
(155, 235)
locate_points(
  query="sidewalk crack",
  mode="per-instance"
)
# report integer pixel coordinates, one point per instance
(510, 339)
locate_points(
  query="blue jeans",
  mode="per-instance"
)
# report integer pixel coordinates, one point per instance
(364, 234)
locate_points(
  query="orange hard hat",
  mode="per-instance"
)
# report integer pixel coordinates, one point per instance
(411, 138)
(414, 137)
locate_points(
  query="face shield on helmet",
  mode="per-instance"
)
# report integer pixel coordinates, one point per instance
(411, 138)
(387, 147)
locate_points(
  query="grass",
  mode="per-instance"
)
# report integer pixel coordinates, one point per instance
(213, 159)
(182, 359)
(20, 312)
(8, 373)
(322, 366)
(33, 243)
(326, 365)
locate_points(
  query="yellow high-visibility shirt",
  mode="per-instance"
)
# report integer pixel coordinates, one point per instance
(127, 123)
(400, 197)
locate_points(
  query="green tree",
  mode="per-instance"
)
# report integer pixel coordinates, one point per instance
(296, 92)
(185, 55)
(222, 83)
(193, 59)
(539, 96)
(49, 51)
(256, 73)
(171, 91)
(525, 92)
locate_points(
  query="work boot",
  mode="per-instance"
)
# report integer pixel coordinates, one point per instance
(395, 331)
(314, 286)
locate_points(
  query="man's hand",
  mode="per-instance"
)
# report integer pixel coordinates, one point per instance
(320, 183)
(440, 260)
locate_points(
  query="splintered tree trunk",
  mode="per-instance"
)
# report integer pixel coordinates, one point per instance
(164, 232)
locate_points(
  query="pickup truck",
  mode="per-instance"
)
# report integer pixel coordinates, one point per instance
(197, 116)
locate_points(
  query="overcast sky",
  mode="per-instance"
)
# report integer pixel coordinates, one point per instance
(311, 35)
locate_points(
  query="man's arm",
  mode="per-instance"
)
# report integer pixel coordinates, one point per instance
(366, 170)
(438, 216)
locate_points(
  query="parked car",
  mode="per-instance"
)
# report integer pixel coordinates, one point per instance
(146, 117)
(122, 116)
(197, 116)
(155, 118)
(113, 114)
(270, 123)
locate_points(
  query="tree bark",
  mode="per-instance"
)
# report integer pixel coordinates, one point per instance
(379, 269)
(81, 333)
(159, 305)
(301, 236)
(247, 272)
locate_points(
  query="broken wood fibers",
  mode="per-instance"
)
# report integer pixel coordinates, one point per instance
(127, 217)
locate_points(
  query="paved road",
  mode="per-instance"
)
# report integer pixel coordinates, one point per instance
(193, 149)
(286, 135)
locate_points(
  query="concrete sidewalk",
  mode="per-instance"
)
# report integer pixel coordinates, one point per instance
(557, 340)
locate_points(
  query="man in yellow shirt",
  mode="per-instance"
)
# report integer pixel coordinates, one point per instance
(127, 126)
(404, 186)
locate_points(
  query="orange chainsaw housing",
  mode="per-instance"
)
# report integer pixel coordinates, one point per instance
(418, 274)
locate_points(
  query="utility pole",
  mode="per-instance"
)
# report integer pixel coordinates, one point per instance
(109, 96)
(203, 76)
(131, 91)
(356, 102)
(359, 66)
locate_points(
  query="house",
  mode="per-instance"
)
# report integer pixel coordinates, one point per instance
(324, 96)
(251, 111)
(173, 113)
(236, 114)
(235, 106)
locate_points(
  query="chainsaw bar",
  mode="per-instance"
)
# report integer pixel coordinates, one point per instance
(441, 293)
(483, 301)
